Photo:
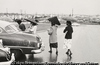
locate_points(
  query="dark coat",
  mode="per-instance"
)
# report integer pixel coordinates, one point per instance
(69, 31)
(22, 27)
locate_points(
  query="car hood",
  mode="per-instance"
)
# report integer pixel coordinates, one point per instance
(20, 36)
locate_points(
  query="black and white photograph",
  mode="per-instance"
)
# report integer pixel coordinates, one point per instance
(49, 32)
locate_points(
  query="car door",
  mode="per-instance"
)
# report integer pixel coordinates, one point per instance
(8, 40)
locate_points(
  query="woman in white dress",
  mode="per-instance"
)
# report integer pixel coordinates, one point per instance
(53, 34)
(33, 27)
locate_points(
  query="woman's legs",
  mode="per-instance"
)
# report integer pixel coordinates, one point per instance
(69, 52)
(50, 48)
(68, 44)
(57, 51)
(54, 45)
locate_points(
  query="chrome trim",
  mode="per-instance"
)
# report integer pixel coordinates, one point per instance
(38, 50)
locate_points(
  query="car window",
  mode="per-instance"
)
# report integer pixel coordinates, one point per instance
(17, 26)
(2, 30)
(11, 29)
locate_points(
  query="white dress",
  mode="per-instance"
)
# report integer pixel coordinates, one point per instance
(67, 44)
(33, 29)
(53, 34)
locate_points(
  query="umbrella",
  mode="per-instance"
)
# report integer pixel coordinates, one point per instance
(54, 20)
(69, 19)
(32, 21)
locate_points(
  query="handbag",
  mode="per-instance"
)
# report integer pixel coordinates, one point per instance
(50, 31)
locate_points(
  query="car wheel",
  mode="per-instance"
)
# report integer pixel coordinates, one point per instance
(30, 56)
(4, 56)
(18, 53)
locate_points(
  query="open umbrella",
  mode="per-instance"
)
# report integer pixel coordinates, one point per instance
(69, 18)
(54, 20)
(32, 21)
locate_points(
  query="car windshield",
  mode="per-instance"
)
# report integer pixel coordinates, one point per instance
(11, 29)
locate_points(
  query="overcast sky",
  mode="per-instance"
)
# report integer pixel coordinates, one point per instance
(89, 7)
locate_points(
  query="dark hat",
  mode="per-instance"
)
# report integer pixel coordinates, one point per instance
(18, 21)
(54, 20)
(69, 22)
(32, 21)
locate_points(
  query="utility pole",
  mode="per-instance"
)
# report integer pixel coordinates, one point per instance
(20, 13)
(72, 11)
(6, 12)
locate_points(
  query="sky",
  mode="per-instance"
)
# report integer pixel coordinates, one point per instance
(87, 7)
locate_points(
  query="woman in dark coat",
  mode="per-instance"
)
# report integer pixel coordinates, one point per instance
(68, 37)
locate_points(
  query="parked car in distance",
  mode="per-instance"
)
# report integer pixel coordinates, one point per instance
(75, 24)
(19, 41)
(6, 58)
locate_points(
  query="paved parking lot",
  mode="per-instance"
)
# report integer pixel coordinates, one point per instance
(85, 46)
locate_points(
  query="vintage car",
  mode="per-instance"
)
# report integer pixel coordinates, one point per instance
(6, 58)
(19, 41)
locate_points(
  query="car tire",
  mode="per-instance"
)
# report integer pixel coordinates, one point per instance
(30, 56)
(4, 56)
(18, 53)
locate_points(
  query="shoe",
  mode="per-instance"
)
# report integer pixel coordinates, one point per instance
(50, 51)
(56, 52)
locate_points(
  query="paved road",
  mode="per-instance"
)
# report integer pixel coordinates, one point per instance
(85, 46)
